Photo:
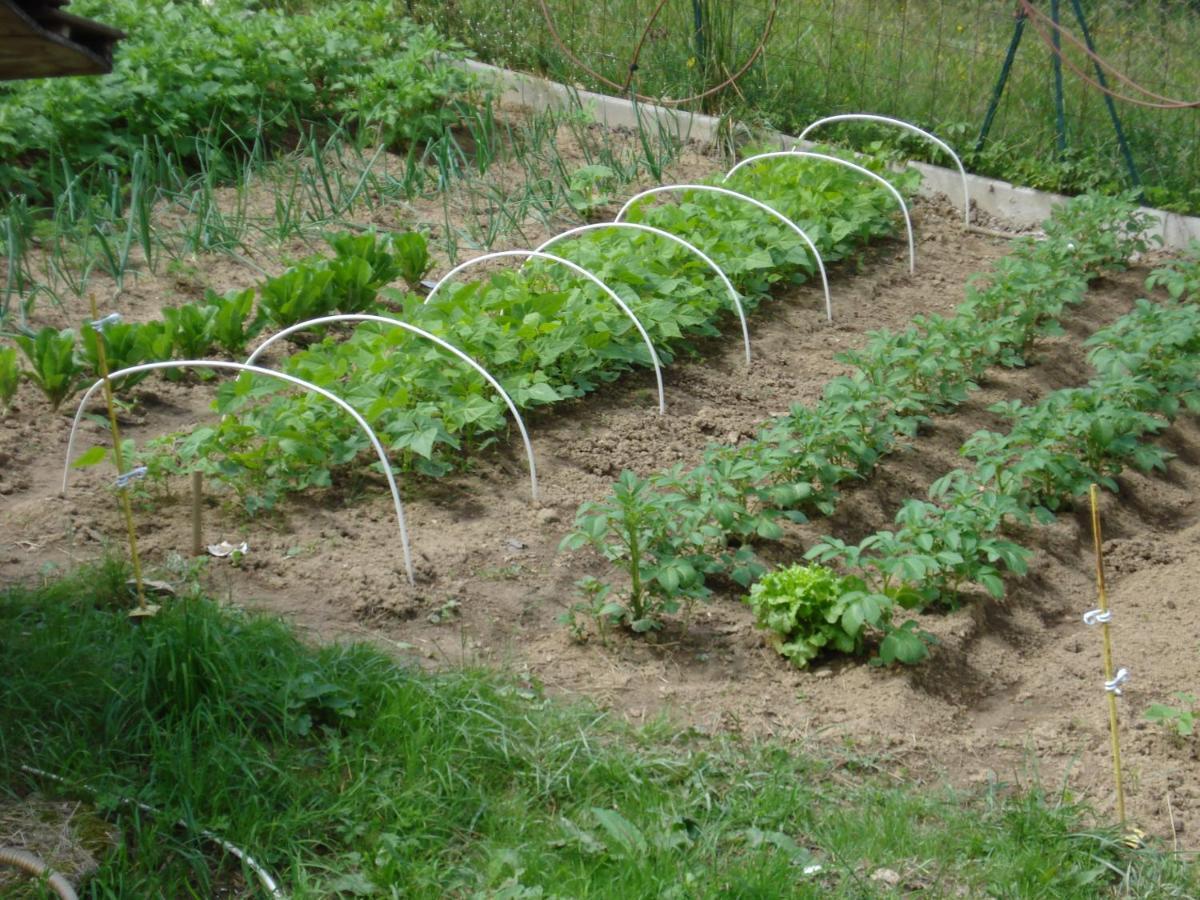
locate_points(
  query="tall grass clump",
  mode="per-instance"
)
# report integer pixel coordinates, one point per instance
(347, 774)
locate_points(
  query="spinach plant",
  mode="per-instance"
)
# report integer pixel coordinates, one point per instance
(232, 324)
(412, 257)
(55, 370)
(10, 377)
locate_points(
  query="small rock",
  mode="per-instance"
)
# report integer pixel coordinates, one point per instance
(823, 673)
(733, 437)
(549, 516)
(514, 543)
(886, 876)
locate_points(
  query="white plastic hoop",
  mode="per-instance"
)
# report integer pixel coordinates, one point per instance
(257, 370)
(808, 154)
(758, 203)
(900, 123)
(420, 332)
(649, 229)
(580, 270)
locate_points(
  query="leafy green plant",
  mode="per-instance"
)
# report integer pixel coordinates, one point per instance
(810, 609)
(412, 257)
(1114, 227)
(192, 327)
(1179, 719)
(361, 266)
(400, 97)
(232, 324)
(10, 377)
(196, 69)
(645, 533)
(126, 344)
(302, 292)
(544, 336)
(55, 370)
(807, 609)
(1157, 341)
(595, 605)
(1180, 277)
(589, 188)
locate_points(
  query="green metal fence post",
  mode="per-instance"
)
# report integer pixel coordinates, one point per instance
(1018, 30)
(1112, 108)
(1060, 118)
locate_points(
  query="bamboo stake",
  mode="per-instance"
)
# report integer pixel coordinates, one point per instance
(197, 512)
(1110, 688)
(143, 608)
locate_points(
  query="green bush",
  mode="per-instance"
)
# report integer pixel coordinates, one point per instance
(192, 77)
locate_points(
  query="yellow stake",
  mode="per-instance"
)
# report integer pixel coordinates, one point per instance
(143, 609)
(1094, 495)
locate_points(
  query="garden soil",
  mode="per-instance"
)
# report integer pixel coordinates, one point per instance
(1013, 693)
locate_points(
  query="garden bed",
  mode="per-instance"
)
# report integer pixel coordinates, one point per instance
(1012, 691)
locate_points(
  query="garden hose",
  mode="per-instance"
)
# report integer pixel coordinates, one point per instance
(35, 868)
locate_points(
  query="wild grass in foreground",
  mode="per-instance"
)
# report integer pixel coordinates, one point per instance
(347, 774)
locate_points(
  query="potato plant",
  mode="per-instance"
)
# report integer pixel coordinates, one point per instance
(1054, 450)
(794, 466)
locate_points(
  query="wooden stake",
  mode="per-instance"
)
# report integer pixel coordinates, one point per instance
(143, 608)
(197, 512)
(1106, 636)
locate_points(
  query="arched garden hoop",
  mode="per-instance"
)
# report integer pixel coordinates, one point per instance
(270, 373)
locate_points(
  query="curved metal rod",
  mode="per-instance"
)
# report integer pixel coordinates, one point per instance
(650, 229)
(578, 269)
(808, 154)
(364, 317)
(900, 123)
(270, 373)
(764, 207)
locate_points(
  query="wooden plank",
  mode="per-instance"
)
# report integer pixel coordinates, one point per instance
(26, 56)
(52, 44)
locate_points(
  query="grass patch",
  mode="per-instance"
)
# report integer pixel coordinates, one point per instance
(932, 62)
(347, 774)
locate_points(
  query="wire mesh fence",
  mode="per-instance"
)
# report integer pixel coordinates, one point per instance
(933, 62)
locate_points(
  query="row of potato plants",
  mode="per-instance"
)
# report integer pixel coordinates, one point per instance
(674, 532)
(62, 361)
(545, 334)
(1147, 367)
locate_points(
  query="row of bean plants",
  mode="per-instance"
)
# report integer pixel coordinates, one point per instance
(1147, 367)
(543, 332)
(673, 532)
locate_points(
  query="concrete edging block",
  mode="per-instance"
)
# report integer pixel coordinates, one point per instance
(1021, 206)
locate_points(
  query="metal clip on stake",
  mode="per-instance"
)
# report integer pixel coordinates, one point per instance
(110, 319)
(1114, 686)
(123, 481)
(1097, 616)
